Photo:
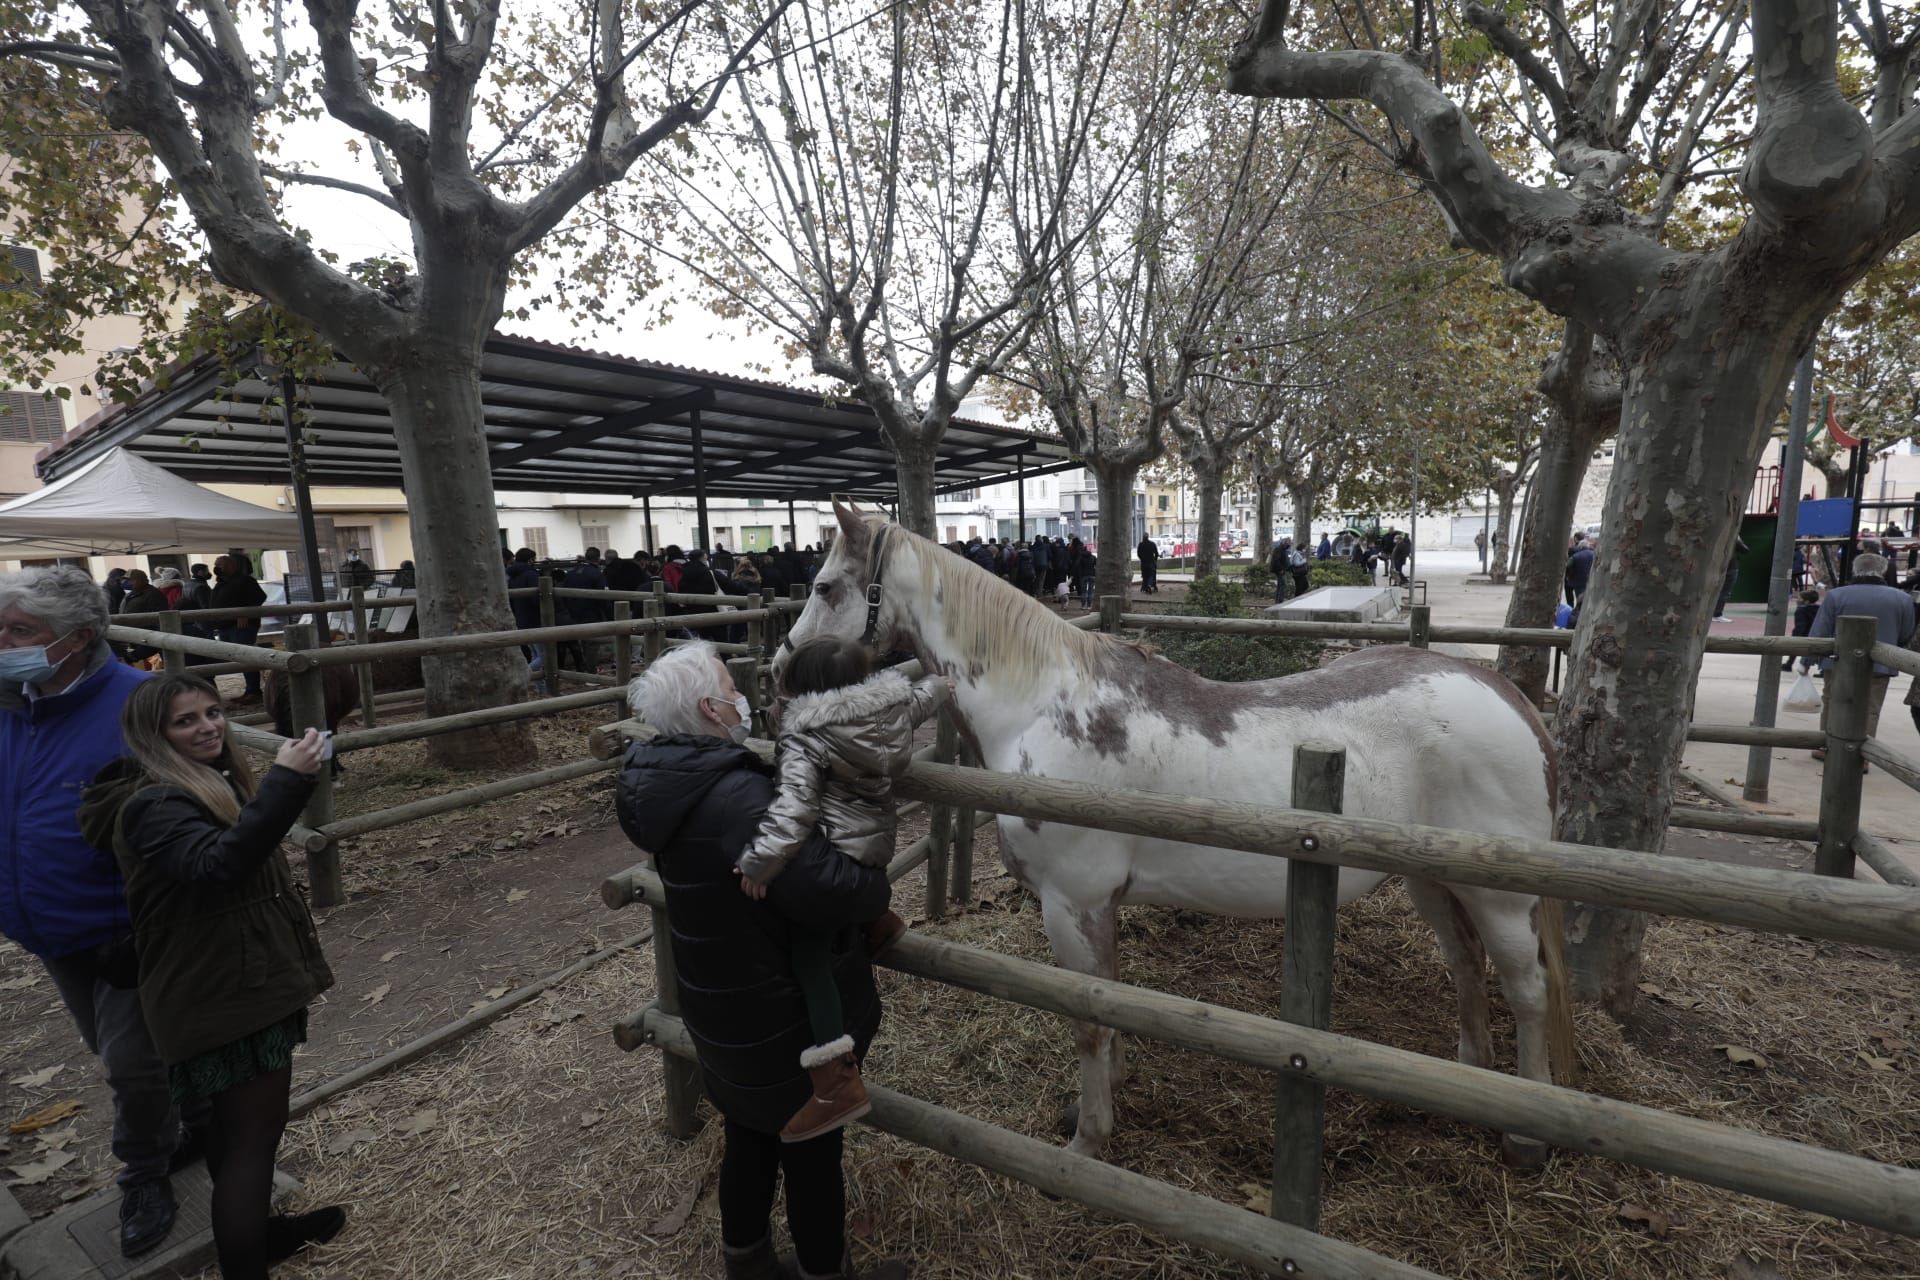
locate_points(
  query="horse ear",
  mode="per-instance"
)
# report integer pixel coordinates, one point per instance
(853, 526)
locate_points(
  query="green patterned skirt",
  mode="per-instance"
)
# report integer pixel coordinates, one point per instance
(218, 1070)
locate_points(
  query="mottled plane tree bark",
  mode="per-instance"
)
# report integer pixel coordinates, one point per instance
(1705, 338)
(564, 108)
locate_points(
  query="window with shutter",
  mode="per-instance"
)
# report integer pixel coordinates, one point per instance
(22, 270)
(30, 417)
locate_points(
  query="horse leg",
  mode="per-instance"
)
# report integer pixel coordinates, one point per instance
(1466, 961)
(1507, 925)
(1083, 940)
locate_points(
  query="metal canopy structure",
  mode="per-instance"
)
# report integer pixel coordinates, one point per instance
(559, 419)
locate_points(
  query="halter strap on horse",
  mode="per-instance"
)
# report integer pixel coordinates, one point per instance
(873, 595)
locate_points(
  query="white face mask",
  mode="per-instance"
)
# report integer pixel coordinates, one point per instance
(739, 733)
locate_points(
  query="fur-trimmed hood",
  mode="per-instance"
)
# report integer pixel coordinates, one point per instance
(868, 700)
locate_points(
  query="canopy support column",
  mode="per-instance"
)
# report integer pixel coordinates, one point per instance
(699, 486)
(1020, 489)
(793, 525)
(646, 517)
(302, 499)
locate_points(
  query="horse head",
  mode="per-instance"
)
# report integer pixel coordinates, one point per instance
(849, 600)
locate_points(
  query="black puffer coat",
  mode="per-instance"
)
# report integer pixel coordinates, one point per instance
(694, 802)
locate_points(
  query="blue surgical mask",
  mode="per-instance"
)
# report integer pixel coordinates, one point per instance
(30, 663)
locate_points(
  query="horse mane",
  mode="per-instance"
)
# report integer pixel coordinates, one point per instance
(987, 615)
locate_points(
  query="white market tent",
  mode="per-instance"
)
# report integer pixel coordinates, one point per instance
(119, 504)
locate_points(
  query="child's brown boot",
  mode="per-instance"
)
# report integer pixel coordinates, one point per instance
(839, 1096)
(882, 932)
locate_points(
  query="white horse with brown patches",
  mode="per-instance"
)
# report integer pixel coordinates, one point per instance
(1428, 740)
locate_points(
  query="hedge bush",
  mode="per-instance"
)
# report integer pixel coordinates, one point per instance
(1338, 573)
(1231, 658)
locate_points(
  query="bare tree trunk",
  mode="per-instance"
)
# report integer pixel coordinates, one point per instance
(1115, 481)
(443, 454)
(1671, 512)
(1209, 482)
(1503, 528)
(1263, 485)
(1565, 450)
(1303, 496)
(913, 456)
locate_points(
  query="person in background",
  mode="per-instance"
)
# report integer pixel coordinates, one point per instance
(1043, 553)
(1733, 573)
(234, 587)
(1480, 545)
(1280, 565)
(115, 589)
(1302, 571)
(1892, 612)
(61, 694)
(167, 580)
(523, 575)
(672, 563)
(355, 572)
(1149, 566)
(229, 957)
(405, 577)
(692, 798)
(1325, 550)
(1086, 569)
(722, 561)
(590, 576)
(1805, 611)
(696, 578)
(143, 597)
(198, 590)
(1579, 571)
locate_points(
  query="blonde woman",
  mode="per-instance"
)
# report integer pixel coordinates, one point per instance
(228, 955)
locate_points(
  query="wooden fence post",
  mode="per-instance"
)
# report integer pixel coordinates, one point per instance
(656, 642)
(309, 702)
(174, 659)
(363, 672)
(1111, 607)
(1849, 684)
(622, 645)
(941, 837)
(680, 1077)
(1419, 625)
(1306, 992)
(549, 650)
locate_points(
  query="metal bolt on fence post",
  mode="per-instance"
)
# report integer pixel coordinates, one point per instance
(309, 703)
(362, 672)
(1306, 993)
(1849, 685)
(175, 659)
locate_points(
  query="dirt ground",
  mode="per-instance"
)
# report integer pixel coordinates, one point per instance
(534, 1149)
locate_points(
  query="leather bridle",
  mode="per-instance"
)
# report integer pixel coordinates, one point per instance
(872, 632)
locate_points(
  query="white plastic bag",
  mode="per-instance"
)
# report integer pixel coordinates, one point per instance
(1804, 696)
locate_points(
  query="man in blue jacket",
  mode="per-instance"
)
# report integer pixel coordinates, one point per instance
(61, 692)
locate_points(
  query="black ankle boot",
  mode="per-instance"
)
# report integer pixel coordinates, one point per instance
(288, 1234)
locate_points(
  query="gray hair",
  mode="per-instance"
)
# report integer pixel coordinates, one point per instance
(63, 597)
(1869, 565)
(667, 694)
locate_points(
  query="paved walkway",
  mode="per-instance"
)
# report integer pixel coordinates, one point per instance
(1725, 696)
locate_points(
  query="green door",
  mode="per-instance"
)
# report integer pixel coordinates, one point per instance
(756, 537)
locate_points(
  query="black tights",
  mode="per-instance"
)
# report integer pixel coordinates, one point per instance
(816, 1194)
(241, 1141)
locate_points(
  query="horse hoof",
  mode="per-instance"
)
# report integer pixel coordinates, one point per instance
(1070, 1120)
(1524, 1155)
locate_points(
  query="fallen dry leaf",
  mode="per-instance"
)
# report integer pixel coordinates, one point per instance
(378, 994)
(517, 895)
(39, 1079)
(347, 1141)
(588, 1119)
(683, 1210)
(419, 1122)
(1259, 1198)
(1741, 1056)
(1877, 1064)
(387, 956)
(557, 1016)
(38, 1171)
(46, 1116)
(1658, 1225)
(1650, 989)
(19, 984)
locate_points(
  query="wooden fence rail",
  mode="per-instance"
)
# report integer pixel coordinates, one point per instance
(1777, 1169)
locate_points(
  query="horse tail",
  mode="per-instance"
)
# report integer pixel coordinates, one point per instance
(1563, 1050)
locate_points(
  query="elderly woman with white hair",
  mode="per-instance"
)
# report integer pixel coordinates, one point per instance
(693, 798)
(61, 696)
